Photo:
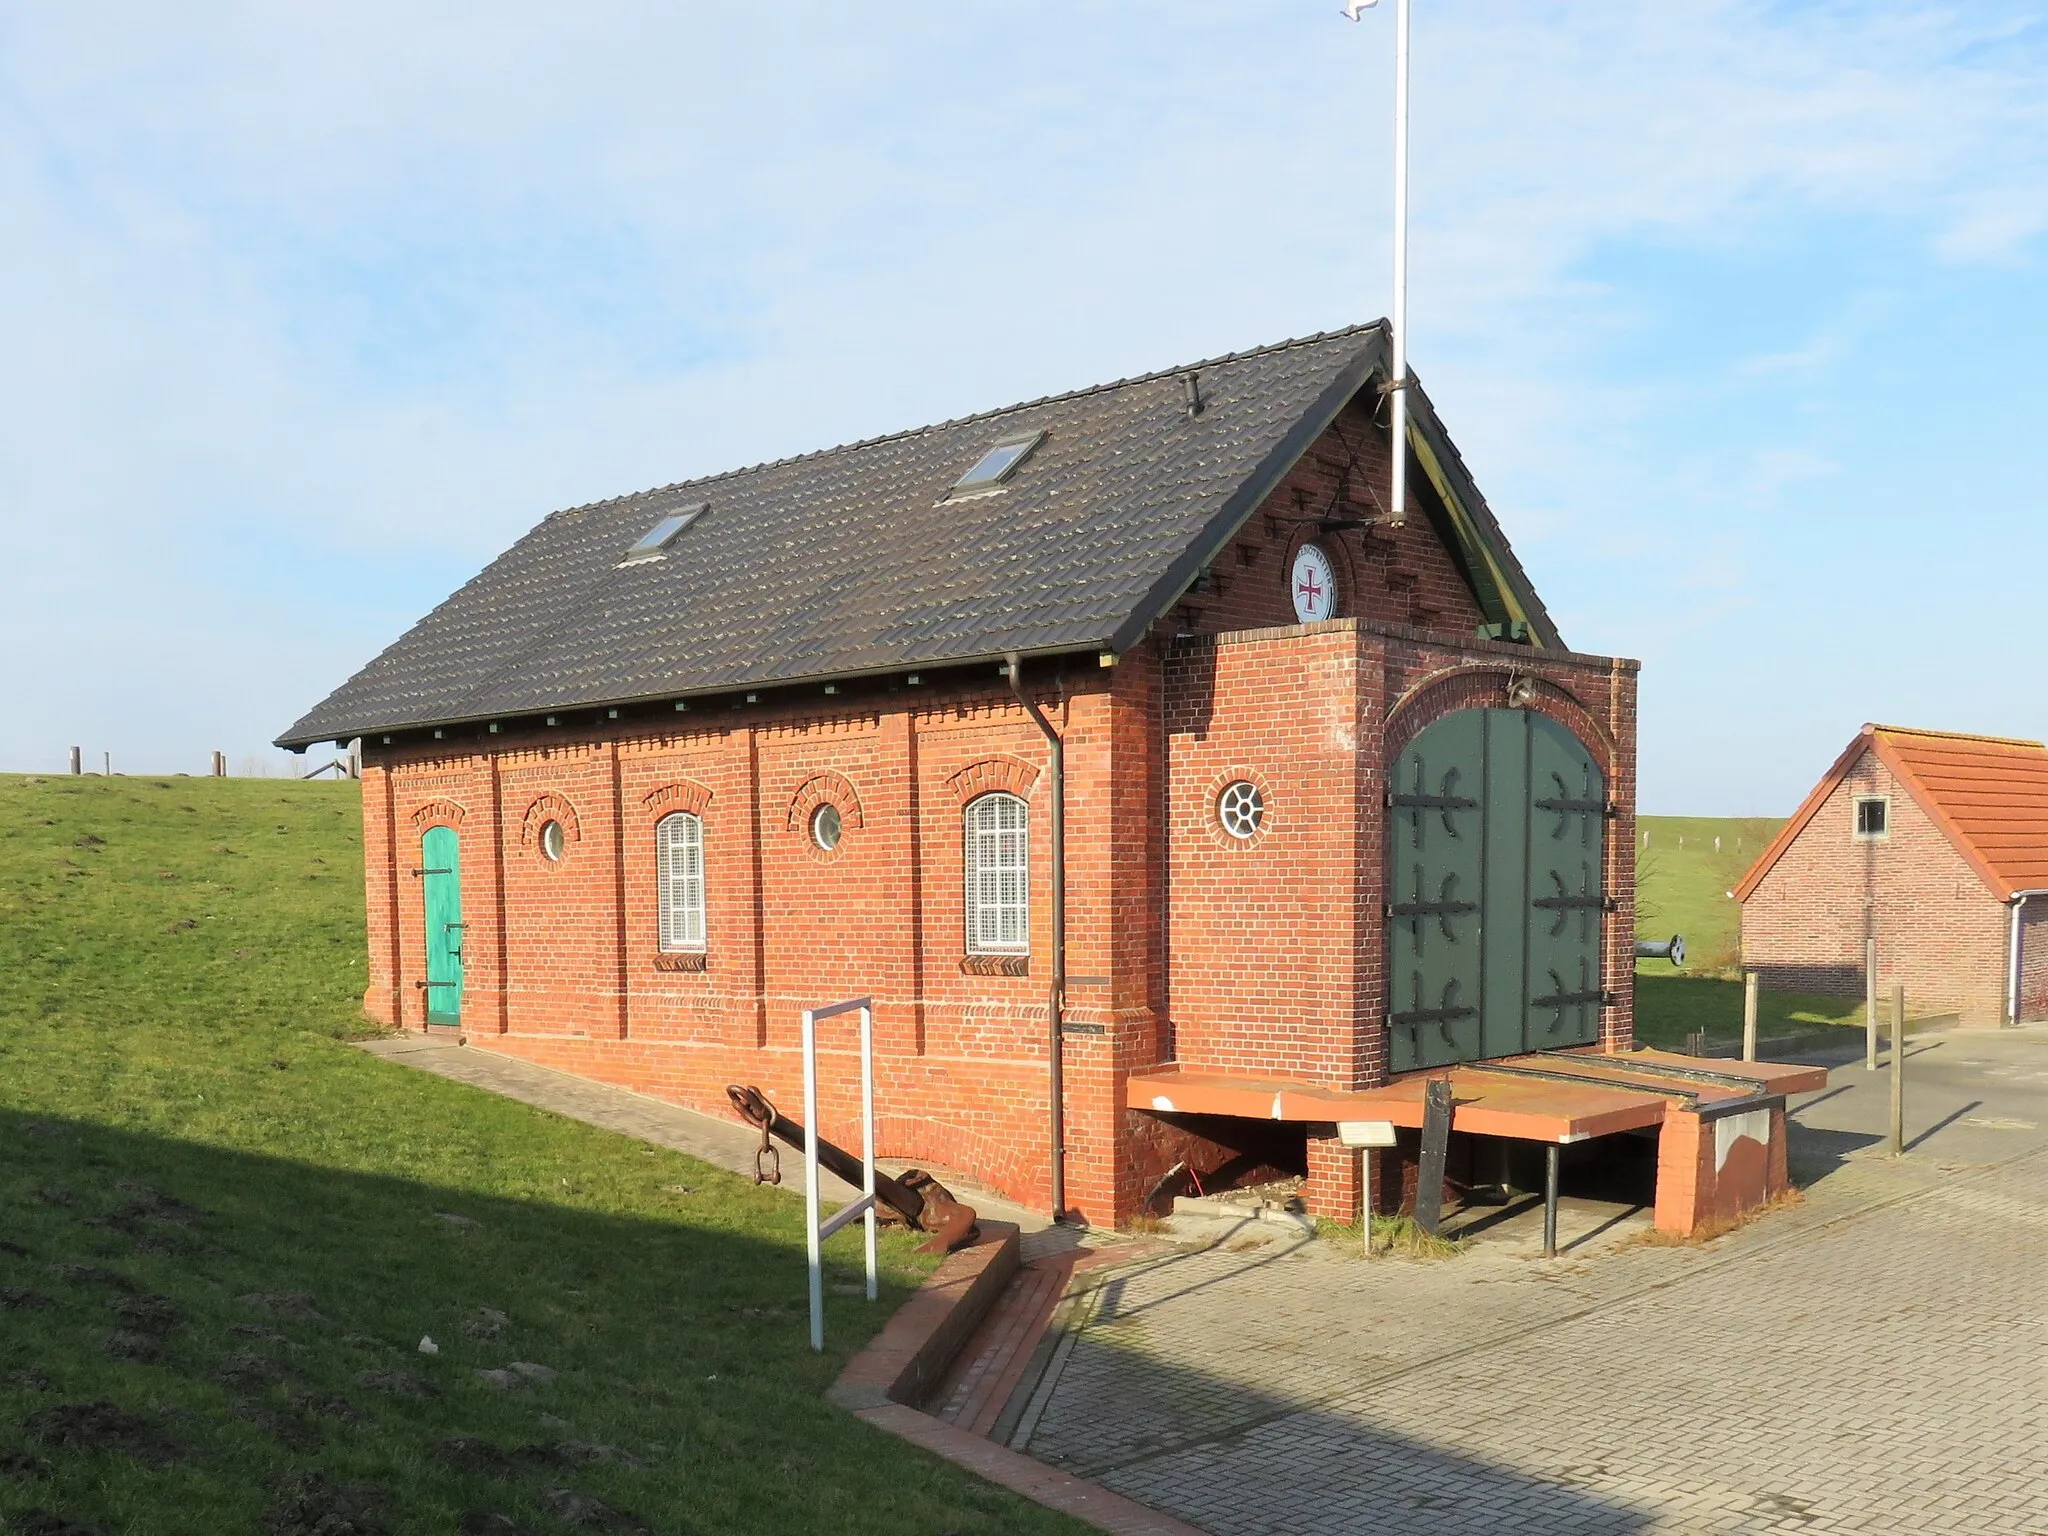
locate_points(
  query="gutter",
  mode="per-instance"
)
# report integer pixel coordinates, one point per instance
(1055, 1002)
(2017, 900)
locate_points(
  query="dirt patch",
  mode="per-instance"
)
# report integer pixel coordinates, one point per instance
(486, 1323)
(246, 1369)
(406, 1384)
(585, 1513)
(309, 1505)
(296, 1305)
(132, 1348)
(263, 1335)
(92, 1274)
(101, 1426)
(12, 1250)
(593, 1453)
(157, 1315)
(485, 1522)
(289, 1430)
(465, 1453)
(55, 1195)
(40, 1522)
(29, 1379)
(21, 1464)
(19, 1298)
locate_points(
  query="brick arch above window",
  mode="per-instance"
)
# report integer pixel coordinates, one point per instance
(1009, 775)
(1486, 687)
(1208, 824)
(677, 795)
(546, 808)
(824, 789)
(438, 813)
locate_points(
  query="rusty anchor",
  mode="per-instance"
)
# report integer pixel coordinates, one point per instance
(915, 1198)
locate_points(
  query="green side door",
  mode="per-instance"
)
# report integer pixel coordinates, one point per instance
(441, 880)
(1496, 834)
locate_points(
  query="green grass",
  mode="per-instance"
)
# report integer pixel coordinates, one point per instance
(184, 1133)
(1682, 885)
(1683, 880)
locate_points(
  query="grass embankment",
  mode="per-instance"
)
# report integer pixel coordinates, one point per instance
(1684, 871)
(224, 1233)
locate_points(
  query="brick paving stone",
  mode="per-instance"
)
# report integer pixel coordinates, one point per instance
(1875, 1360)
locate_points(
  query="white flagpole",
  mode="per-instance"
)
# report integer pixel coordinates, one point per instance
(1397, 384)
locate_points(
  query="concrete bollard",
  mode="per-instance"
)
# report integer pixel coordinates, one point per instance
(1749, 1015)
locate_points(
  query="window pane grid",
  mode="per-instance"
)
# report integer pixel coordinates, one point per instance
(679, 875)
(998, 875)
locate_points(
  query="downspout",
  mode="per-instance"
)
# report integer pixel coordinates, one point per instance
(1056, 995)
(2018, 900)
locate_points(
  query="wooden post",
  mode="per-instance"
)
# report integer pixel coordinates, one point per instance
(77, 761)
(1749, 1015)
(1436, 1141)
(1898, 1136)
(1870, 1005)
(109, 760)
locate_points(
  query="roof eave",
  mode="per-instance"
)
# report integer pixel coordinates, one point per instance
(296, 740)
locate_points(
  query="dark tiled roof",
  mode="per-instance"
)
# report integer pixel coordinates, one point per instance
(851, 560)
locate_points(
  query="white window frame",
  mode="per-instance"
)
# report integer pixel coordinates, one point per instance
(997, 830)
(1856, 817)
(679, 882)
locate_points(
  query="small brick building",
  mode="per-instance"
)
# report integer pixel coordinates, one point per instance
(1331, 802)
(1935, 845)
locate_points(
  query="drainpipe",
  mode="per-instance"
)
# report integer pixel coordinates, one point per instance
(2018, 900)
(1056, 995)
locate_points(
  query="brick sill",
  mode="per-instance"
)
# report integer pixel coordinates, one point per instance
(683, 960)
(995, 965)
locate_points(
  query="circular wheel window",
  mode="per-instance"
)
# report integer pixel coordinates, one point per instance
(826, 827)
(1241, 809)
(552, 842)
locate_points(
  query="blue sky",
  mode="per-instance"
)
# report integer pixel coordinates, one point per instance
(1734, 308)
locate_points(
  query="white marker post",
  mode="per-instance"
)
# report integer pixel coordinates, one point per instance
(815, 1230)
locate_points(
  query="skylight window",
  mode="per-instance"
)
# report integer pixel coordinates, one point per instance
(998, 464)
(653, 545)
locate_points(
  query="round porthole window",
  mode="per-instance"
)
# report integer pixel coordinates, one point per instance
(552, 841)
(1241, 809)
(826, 827)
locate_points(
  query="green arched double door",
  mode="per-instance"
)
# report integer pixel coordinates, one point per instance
(1497, 837)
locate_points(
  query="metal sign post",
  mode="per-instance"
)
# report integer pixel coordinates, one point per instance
(1897, 1140)
(864, 1207)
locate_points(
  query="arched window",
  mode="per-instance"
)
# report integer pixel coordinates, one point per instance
(679, 865)
(998, 876)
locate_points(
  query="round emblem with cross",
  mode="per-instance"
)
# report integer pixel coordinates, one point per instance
(1314, 584)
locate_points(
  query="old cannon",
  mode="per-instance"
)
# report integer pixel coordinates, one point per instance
(915, 1198)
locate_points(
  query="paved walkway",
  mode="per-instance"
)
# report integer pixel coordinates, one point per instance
(1875, 1361)
(723, 1143)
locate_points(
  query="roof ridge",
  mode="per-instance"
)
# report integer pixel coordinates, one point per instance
(1913, 730)
(973, 416)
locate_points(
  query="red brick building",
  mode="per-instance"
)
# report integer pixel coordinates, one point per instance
(1115, 733)
(1935, 845)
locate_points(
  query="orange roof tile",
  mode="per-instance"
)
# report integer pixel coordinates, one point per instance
(1989, 794)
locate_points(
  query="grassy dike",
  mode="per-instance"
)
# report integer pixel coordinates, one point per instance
(224, 1232)
(1683, 875)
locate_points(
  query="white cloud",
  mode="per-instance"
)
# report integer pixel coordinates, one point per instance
(312, 309)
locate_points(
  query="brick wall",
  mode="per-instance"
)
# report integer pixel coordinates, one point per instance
(1261, 957)
(1938, 930)
(1395, 576)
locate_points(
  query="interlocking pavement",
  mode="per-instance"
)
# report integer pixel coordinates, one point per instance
(1873, 1361)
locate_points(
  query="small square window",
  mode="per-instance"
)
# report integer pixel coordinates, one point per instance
(653, 544)
(1870, 817)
